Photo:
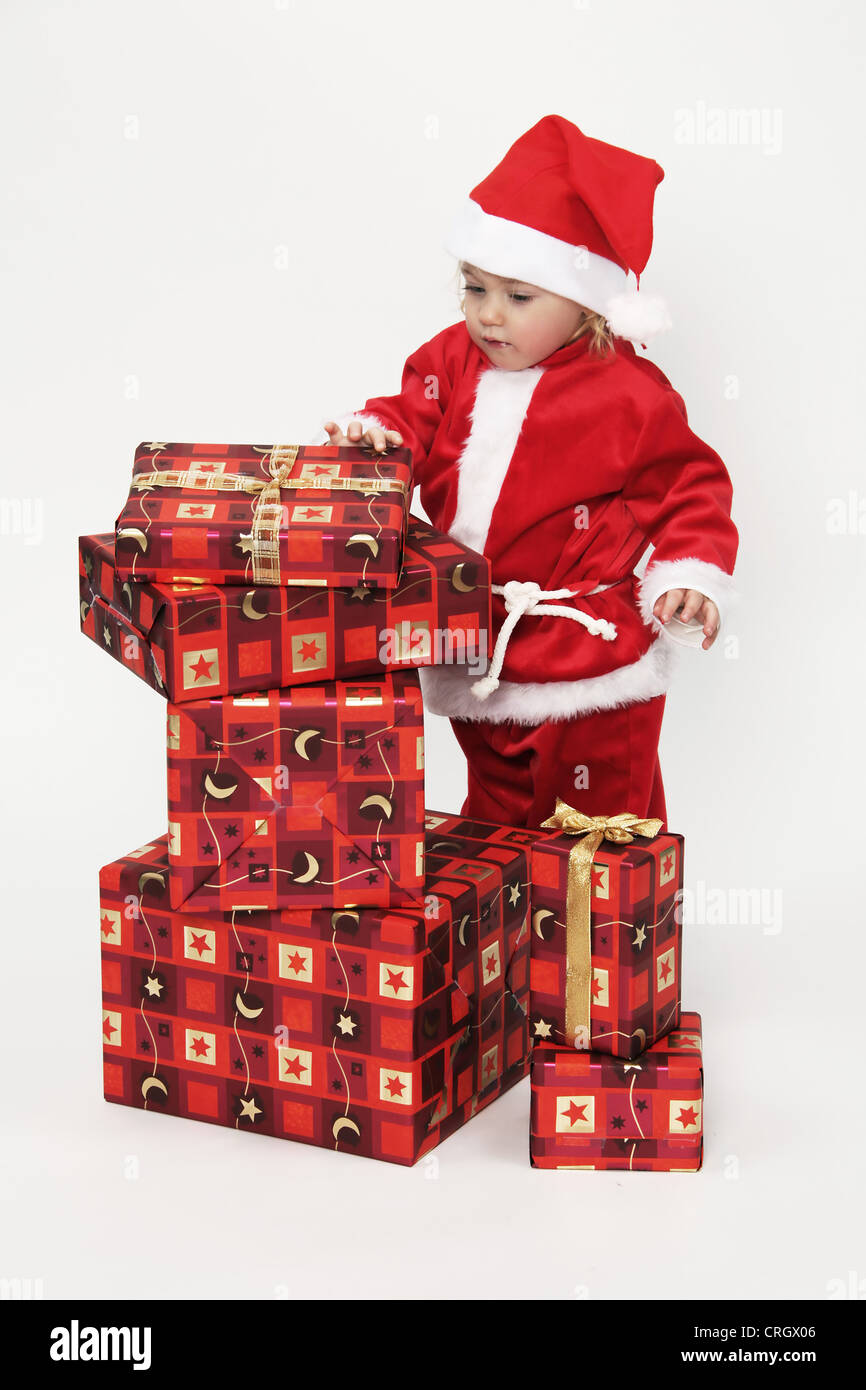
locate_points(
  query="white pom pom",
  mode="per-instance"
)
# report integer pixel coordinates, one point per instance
(486, 686)
(637, 315)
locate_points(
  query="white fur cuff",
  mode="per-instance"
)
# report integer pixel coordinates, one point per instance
(690, 573)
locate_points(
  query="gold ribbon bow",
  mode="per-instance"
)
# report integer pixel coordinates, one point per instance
(263, 540)
(620, 829)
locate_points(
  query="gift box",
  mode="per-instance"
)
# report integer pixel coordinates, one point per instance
(608, 979)
(190, 640)
(273, 514)
(359, 1029)
(591, 1110)
(303, 796)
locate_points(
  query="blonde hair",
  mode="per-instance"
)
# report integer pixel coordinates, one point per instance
(592, 324)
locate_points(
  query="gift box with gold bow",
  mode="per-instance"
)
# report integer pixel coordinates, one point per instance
(591, 1110)
(190, 640)
(304, 796)
(276, 514)
(606, 926)
(364, 1030)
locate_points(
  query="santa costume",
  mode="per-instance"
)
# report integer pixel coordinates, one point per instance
(561, 474)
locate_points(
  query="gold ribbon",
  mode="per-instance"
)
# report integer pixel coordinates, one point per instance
(263, 540)
(620, 829)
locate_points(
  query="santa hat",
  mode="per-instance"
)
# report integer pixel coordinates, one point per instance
(571, 215)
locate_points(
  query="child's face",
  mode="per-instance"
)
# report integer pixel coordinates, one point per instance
(515, 324)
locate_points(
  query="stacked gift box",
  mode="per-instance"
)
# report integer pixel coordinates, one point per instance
(617, 1068)
(291, 957)
(307, 952)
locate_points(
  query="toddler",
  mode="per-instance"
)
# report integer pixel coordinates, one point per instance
(542, 440)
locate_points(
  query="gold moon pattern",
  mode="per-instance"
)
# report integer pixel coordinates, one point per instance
(133, 534)
(376, 801)
(310, 869)
(251, 1009)
(248, 607)
(461, 930)
(362, 540)
(221, 793)
(303, 739)
(344, 1122)
(127, 594)
(153, 1083)
(539, 918)
(345, 920)
(151, 876)
(458, 582)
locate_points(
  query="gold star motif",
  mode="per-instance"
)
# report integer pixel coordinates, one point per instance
(106, 636)
(346, 1025)
(631, 1066)
(515, 894)
(542, 1029)
(639, 936)
(249, 1110)
(154, 446)
(360, 591)
(88, 566)
(153, 986)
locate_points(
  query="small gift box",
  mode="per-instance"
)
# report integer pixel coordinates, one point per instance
(304, 796)
(606, 927)
(358, 1029)
(277, 514)
(591, 1110)
(190, 640)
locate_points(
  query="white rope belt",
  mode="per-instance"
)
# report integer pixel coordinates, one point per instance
(522, 597)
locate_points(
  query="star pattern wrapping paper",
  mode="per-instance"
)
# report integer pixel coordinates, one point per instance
(591, 1110)
(364, 1030)
(304, 796)
(191, 640)
(635, 928)
(326, 535)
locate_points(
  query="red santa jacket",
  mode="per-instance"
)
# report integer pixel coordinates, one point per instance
(561, 474)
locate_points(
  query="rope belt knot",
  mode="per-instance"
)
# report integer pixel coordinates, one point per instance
(526, 596)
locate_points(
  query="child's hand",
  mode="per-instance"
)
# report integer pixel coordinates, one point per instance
(694, 604)
(356, 434)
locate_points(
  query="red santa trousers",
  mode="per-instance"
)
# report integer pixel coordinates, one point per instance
(600, 763)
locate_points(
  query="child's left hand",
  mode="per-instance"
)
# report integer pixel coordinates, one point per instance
(693, 604)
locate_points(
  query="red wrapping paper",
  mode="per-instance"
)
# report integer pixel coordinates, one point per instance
(304, 796)
(191, 640)
(369, 1031)
(591, 1110)
(324, 535)
(636, 934)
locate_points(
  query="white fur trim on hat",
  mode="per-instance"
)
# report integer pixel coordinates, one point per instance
(515, 251)
(689, 573)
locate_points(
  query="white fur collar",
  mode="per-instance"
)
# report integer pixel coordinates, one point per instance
(501, 402)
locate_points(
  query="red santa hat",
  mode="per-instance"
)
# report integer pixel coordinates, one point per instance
(571, 215)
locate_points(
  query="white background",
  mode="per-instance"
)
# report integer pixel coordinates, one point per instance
(222, 221)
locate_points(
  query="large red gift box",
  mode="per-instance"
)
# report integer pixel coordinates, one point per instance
(369, 1031)
(190, 640)
(591, 1110)
(636, 934)
(299, 797)
(214, 512)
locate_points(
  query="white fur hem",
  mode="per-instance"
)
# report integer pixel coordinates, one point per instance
(688, 573)
(345, 420)
(447, 690)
